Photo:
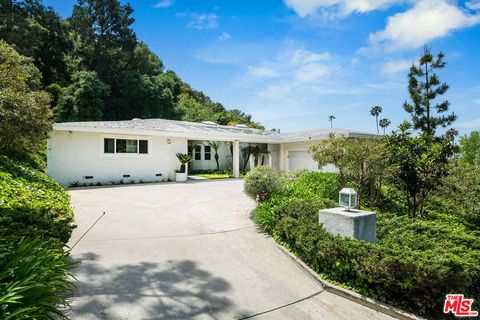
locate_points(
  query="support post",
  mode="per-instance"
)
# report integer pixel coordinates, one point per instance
(282, 158)
(236, 159)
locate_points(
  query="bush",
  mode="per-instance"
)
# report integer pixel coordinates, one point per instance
(33, 203)
(412, 266)
(315, 184)
(33, 277)
(262, 182)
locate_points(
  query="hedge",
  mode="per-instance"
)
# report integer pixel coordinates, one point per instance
(33, 203)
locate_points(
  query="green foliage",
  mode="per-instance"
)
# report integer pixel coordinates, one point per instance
(34, 274)
(470, 148)
(360, 162)
(32, 203)
(459, 194)
(417, 165)
(83, 99)
(24, 108)
(314, 185)
(424, 86)
(262, 182)
(412, 266)
(184, 159)
(384, 123)
(375, 111)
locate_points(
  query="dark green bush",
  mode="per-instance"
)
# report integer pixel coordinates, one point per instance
(414, 264)
(33, 203)
(34, 274)
(262, 182)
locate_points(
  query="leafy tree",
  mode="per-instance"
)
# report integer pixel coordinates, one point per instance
(424, 87)
(375, 111)
(330, 119)
(360, 162)
(470, 148)
(25, 115)
(184, 159)
(84, 99)
(215, 146)
(37, 32)
(417, 164)
(384, 123)
(190, 109)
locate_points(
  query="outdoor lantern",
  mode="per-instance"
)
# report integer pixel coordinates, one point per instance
(347, 198)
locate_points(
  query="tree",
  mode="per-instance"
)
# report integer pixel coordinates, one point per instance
(331, 118)
(84, 99)
(215, 146)
(375, 111)
(360, 162)
(384, 123)
(470, 148)
(424, 87)
(184, 159)
(417, 164)
(25, 115)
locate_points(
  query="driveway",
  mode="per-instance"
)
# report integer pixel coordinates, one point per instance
(183, 251)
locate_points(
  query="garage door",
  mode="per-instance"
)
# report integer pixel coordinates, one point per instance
(301, 160)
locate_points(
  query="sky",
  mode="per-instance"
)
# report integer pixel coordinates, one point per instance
(292, 63)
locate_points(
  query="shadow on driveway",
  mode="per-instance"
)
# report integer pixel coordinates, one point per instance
(176, 290)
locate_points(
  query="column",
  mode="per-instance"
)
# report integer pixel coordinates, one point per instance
(282, 158)
(236, 159)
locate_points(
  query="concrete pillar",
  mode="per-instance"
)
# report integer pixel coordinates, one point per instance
(236, 159)
(269, 159)
(282, 158)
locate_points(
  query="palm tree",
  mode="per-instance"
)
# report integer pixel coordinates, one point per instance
(330, 118)
(375, 111)
(184, 159)
(215, 146)
(384, 123)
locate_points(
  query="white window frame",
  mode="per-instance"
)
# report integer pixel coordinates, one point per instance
(101, 149)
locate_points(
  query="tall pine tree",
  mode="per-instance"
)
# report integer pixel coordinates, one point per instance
(424, 87)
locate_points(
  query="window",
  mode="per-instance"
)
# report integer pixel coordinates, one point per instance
(190, 151)
(198, 152)
(208, 153)
(109, 145)
(143, 146)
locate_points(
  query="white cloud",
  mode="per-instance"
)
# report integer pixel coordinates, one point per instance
(203, 21)
(473, 124)
(306, 8)
(395, 66)
(163, 4)
(473, 5)
(225, 36)
(426, 21)
(263, 72)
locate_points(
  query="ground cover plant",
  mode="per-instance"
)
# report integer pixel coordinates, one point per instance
(412, 266)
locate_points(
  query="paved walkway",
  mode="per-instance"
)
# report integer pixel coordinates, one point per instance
(188, 251)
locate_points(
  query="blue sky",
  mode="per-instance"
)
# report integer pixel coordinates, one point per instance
(292, 63)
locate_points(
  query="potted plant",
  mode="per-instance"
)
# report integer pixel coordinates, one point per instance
(182, 174)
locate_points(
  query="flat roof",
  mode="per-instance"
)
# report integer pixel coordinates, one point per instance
(201, 130)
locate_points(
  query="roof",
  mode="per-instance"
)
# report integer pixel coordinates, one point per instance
(199, 130)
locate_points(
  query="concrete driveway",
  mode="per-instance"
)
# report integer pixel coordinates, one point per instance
(188, 251)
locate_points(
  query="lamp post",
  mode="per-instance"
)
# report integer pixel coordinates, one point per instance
(347, 198)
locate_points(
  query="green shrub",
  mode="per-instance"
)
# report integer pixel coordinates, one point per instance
(34, 276)
(315, 184)
(263, 182)
(33, 203)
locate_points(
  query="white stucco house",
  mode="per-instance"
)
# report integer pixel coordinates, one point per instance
(145, 150)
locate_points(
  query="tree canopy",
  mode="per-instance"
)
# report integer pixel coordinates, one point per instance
(95, 68)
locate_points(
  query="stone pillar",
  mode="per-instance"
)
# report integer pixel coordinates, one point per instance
(236, 159)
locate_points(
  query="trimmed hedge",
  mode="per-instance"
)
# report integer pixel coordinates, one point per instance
(414, 264)
(33, 203)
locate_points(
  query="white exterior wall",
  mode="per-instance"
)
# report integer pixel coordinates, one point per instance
(310, 164)
(224, 157)
(74, 155)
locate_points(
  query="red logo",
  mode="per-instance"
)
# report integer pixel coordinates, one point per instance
(459, 306)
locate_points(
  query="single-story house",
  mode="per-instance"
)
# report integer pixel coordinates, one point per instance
(144, 150)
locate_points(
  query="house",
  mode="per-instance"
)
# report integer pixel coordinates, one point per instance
(144, 150)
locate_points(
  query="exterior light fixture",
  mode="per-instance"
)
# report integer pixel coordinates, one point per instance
(347, 198)
(169, 141)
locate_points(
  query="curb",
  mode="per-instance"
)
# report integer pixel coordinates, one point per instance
(349, 294)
